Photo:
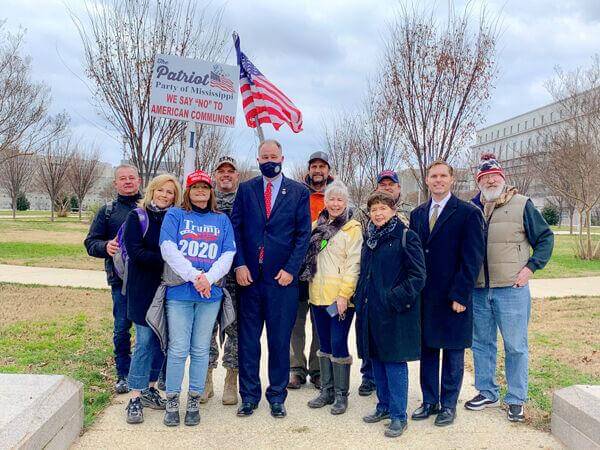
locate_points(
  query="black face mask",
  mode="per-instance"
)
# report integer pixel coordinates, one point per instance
(270, 169)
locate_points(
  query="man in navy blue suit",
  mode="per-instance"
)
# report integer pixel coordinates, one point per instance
(451, 233)
(271, 220)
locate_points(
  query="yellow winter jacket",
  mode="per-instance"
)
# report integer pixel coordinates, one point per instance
(338, 266)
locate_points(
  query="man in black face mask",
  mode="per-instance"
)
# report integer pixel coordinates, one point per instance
(271, 220)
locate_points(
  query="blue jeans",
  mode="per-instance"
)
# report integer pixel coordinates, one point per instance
(391, 380)
(190, 329)
(147, 359)
(121, 333)
(507, 309)
(333, 333)
(366, 369)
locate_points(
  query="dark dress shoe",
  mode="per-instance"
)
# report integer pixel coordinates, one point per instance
(424, 411)
(366, 388)
(278, 410)
(377, 416)
(445, 417)
(246, 409)
(296, 381)
(395, 428)
(316, 380)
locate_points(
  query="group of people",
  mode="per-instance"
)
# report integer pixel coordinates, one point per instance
(220, 260)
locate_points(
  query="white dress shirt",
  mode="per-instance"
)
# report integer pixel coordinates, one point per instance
(441, 204)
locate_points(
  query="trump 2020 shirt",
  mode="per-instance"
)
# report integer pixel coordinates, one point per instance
(193, 242)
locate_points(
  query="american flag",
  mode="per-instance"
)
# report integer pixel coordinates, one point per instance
(263, 100)
(221, 82)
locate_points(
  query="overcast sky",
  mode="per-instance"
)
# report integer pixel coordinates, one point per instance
(320, 53)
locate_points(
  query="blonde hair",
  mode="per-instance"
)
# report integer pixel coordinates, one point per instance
(156, 183)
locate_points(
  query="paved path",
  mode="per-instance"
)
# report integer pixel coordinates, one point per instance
(53, 277)
(558, 287)
(307, 428)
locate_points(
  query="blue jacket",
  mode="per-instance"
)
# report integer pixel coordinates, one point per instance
(285, 235)
(453, 256)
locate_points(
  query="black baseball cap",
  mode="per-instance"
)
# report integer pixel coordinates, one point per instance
(319, 155)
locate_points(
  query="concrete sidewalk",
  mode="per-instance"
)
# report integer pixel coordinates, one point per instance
(557, 287)
(49, 276)
(312, 429)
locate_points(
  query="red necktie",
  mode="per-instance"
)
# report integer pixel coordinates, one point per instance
(268, 190)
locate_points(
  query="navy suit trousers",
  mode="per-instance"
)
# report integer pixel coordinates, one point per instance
(453, 364)
(274, 306)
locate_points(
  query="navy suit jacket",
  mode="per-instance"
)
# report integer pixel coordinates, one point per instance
(285, 235)
(454, 252)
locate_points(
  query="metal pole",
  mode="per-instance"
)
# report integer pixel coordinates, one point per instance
(259, 130)
(190, 151)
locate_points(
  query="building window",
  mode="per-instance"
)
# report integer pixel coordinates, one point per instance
(511, 129)
(525, 125)
(542, 119)
(533, 122)
(551, 114)
(498, 134)
(518, 127)
(504, 131)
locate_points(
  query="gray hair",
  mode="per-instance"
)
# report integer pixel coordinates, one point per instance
(270, 141)
(337, 188)
(126, 166)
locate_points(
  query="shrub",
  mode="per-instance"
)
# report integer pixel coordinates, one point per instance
(22, 202)
(551, 214)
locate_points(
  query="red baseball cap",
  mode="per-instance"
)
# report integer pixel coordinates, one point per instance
(197, 177)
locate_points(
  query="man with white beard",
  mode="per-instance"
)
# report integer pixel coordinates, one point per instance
(518, 242)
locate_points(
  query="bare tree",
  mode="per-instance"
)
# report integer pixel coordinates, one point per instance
(345, 140)
(15, 175)
(24, 120)
(83, 172)
(212, 142)
(52, 169)
(572, 157)
(519, 174)
(120, 41)
(436, 80)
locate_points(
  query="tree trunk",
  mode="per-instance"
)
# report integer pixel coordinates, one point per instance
(51, 210)
(580, 235)
(590, 253)
(79, 203)
(14, 207)
(571, 214)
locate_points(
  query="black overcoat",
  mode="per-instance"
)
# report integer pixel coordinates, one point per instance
(454, 253)
(387, 298)
(144, 272)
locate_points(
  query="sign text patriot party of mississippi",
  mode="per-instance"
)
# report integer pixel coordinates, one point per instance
(194, 90)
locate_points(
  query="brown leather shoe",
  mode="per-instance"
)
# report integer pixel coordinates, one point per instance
(296, 381)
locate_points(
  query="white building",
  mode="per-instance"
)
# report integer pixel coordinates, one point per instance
(514, 140)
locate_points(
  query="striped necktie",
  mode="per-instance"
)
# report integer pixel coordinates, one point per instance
(433, 217)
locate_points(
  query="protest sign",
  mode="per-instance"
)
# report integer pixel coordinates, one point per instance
(194, 91)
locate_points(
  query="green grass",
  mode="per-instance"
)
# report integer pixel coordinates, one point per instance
(29, 212)
(32, 251)
(35, 224)
(563, 263)
(595, 229)
(75, 346)
(547, 375)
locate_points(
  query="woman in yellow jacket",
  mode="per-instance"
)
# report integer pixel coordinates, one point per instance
(332, 267)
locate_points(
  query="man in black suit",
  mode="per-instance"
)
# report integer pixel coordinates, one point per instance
(271, 220)
(451, 233)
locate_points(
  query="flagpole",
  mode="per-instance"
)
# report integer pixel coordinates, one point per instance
(190, 151)
(259, 130)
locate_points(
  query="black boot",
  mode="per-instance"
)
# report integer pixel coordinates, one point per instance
(172, 411)
(341, 383)
(326, 396)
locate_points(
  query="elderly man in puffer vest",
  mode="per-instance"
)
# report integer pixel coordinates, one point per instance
(518, 242)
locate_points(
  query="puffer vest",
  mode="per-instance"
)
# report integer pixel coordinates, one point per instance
(508, 249)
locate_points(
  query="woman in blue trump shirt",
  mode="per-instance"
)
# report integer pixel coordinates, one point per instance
(197, 242)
